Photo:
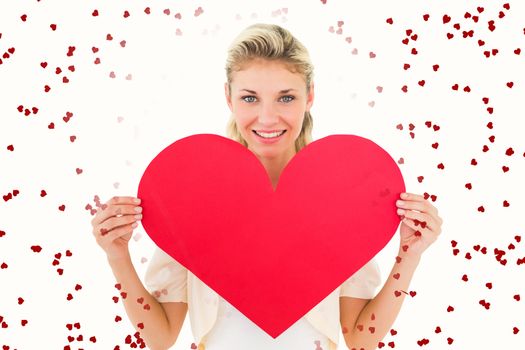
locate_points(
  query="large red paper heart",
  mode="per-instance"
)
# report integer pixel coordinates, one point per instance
(209, 203)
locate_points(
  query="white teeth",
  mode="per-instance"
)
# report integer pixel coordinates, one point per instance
(269, 135)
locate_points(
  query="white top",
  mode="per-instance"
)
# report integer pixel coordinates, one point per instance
(234, 331)
(168, 281)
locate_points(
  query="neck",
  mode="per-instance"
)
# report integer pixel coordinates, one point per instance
(274, 166)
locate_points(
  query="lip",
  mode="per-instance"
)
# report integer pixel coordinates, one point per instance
(277, 130)
(268, 141)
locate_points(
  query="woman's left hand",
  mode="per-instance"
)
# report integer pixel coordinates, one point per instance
(421, 224)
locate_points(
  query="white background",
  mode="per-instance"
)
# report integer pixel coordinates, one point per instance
(176, 89)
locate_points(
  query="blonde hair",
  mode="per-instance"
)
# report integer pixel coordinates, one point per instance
(270, 42)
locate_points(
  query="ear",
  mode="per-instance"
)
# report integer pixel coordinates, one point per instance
(228, 97)
(310, 97)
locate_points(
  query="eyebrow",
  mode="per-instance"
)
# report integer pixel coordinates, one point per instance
(281, 92)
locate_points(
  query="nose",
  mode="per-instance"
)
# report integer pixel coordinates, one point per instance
(268, 115)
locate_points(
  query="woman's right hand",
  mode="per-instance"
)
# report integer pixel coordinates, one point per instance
(113, 225)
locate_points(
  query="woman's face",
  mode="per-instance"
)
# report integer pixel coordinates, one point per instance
(259, 103)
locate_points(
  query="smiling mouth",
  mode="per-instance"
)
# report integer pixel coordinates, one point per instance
(269, 135)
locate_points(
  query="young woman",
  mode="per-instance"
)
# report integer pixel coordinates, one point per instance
(270, 92)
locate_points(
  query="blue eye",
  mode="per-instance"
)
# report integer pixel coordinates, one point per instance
(251, 96)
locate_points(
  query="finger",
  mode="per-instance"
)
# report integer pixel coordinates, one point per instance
(115, 222)
(416, 227)
(115, 206)
(115, 233)
(425, 221)
(411, 196)
(422, 206)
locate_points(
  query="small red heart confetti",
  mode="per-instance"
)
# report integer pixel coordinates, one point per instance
(67, 117)
(484, 304)
(423, 342)
(36, 248)
(198, 11)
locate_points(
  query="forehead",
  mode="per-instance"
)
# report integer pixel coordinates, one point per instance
(267, 75)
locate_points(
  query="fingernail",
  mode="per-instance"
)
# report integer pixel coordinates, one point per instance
(138, 209)
(134, 225)
(136, 200)
(138, 216)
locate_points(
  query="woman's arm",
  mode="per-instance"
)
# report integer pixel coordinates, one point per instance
(420, 227)
(157, 333)
(378, 315)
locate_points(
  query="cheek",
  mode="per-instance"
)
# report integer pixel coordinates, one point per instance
(243, 125)
(296, 121)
